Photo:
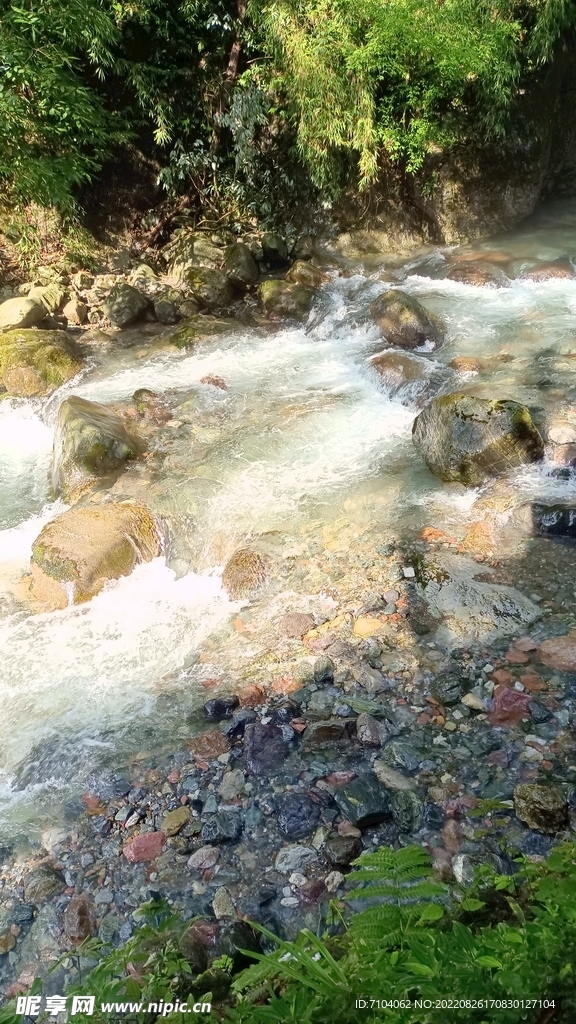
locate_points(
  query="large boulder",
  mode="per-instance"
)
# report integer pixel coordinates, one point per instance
(306, 274)
(283, 299)
(405, 322)
(274, 250)
(91, 443)
(189, 250)
(75, 555)
(468, 439)
(241, 266)
(49, 295)
(124, 304)
(20, 312)
(211, 288)
(34, 362)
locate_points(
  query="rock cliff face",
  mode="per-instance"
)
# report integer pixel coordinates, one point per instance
(479, 190)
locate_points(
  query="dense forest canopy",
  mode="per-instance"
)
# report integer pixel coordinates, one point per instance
(227, 95)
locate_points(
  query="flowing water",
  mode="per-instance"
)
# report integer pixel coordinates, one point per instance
(307, 448)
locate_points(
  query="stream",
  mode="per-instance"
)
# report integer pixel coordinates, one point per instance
(309, 452)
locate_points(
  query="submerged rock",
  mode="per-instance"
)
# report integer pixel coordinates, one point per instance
(405, 322)
(244, 572)
(364, 801)
(264, 747)
(559, 653)
(41, 883)
(79, 920)
(21, 312)
(34, 362)
(124, 304)
(282, 299)
(91, 443)
(76, 554)
(555, 520)
(479, 275)
(541, 807)
(467, 439)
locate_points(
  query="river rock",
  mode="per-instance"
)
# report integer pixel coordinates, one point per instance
(559, 653)
(296, 624)
(189, 251)
(7, 941)
(75, 555)
(479, 275)
(306, 274)
(340, 851)
(405, 322)
(541, 807)
(264, 747)
(244, 572)
(223, 904)
(447, 689)
(144, 847)
(396, 367)
(220, 708)
(324, 733)
(294, 858)
(75, 311)
(41, 883)
(554, 520)
(280, 299)
(467, 439)
(370, 731)
(392, 779)
(124, 304)
(298, 815)
(91, 443)
(233, 785)
(560, 270)
(211, 288)
(145, 279)
(364, 801)
(241, 266)
(274, 250)
(407, 811)
(79, 920)
(167, 307)
(49, 295)
(203, 858)
(18, 313)
(224, 827)
(209, 745)
(34, 362)
(175, 821)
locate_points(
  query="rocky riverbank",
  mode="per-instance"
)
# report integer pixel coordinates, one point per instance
(377, 675)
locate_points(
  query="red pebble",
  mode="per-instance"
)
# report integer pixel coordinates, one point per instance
(517, 657)
(503, 677)
(147, 846)
(510, 706)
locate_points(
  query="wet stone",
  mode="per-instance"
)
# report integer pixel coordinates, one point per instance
(144, 847)
(203, 858)
(392, 779)
(175, 821)
(232, 785)
(401, 755)
(209, 745)
(538, 713)
(298, 815)
(364, 801)
(294, 858)
(224, 827)
(510, 707)
(340, 851)
(221, 707)
(370, 731)
(559, 653)
(541, 807)
(320, 734)
(43, 882)
(447, 689)
(7, 941)
(407, 811)
(235, 728)
(296, 624)
(265, 748)
(324, 669)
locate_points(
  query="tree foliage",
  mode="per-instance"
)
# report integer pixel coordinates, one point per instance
(225, 94)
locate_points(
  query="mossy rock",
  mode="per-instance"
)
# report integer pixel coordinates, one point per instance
(245, 572)
(468, 439)
(34, 362)
(304, 273)
(125, 304)
(211, 288)
(541, 807)
(283, 299)
(200, 329)
(91, 444)
(405, 322)
(241, 266)
(76, 554)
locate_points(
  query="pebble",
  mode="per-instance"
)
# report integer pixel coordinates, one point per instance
(144, 847)
(223, 904)
(175, 821)
(294, 858)
(203, 859)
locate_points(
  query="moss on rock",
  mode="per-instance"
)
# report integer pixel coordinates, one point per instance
(468, 439)
(75, 555)
(91, 443)
(34, 362)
